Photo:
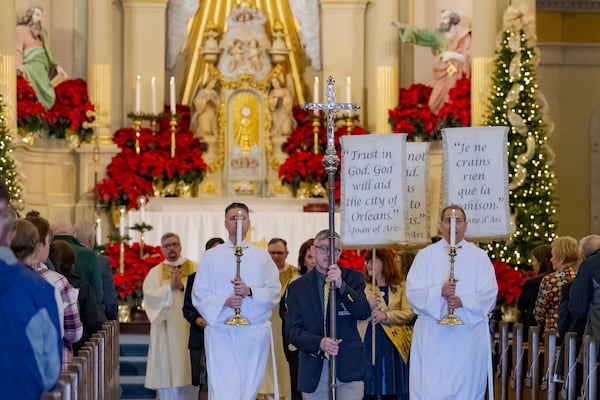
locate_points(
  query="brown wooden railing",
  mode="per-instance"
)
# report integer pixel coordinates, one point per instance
(94, 373)
(525, 370)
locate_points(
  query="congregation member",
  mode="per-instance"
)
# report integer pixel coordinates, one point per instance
(31, 249)
(197, 324)
(308, 324)
(540, 261)
(567, 321)
(90, 312)
(584, 296)
(278, 251)
(566, 258)
(392, 317)
(306, 262)
(451, 361)
(86, 266)
(31, 344)
(236, 355)
(168, 369)
(85, 232)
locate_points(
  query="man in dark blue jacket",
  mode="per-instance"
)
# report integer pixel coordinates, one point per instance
(307, 327)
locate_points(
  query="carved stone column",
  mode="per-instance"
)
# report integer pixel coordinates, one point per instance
(8, 85)
(342, 46)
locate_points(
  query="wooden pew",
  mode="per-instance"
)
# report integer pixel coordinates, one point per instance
(590, 368)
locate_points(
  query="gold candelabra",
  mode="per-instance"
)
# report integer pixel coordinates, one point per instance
(237, 319)
(451, 319)
(316, 124)
(137, 126)
(173, 125)
(349, 123)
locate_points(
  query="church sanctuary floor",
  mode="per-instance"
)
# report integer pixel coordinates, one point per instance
(132, 361)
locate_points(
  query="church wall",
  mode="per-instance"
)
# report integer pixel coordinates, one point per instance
(565, 75)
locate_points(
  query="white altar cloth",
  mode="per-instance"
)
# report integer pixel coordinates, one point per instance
(196, 227)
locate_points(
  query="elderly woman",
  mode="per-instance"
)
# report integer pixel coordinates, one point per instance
(566, 258)
(31, 246)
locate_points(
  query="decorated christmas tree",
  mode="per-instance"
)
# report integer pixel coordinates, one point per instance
(7, 164)
(517, 103)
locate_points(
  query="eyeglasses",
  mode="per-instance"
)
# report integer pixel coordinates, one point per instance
(277, 253)
(325, 249)
(170, 245)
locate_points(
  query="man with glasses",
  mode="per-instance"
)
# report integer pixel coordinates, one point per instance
(308, 324)
(169, 370)
(236, 355)
(277, 248)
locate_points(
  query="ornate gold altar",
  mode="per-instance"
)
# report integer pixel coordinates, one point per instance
(243, 76)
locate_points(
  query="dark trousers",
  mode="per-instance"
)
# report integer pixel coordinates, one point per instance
(293, 361)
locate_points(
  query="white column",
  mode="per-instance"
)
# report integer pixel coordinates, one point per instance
(382, 61)
(342, 47)
(8, 84)
(100, 64)
(483, 32)
(144, 44)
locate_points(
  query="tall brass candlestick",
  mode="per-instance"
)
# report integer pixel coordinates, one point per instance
(122, 258)
(137, 126)
(173, 125)
(316, 124)
(237, 319)
(451, 319)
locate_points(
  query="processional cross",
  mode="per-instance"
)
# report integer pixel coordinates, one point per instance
(331, 162)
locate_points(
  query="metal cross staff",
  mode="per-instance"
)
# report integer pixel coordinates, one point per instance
(331, 162)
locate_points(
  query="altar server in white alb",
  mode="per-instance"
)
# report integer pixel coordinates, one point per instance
(169, 370)
(236, 355)
(451, 361)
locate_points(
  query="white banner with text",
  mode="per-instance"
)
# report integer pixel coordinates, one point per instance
(476, 178)
(417, 193)
(373, 190)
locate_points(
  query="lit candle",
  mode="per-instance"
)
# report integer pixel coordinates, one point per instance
(453, 229)
(172, 97)
(153, 87)
(98, 232)
(348, 90)
(142, 208)
(316, 93)
(238, 237)
(138, 93)
(121, 221)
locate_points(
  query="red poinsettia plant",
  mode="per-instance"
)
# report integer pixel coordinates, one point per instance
(30, 112)
(413, 116)
(132, 173)
(129, 284)
(354, 259)
(70, 109)
(510, 281)
(303, 164)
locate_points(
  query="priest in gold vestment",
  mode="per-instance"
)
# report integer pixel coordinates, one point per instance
(277, 248)
(168, 369)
